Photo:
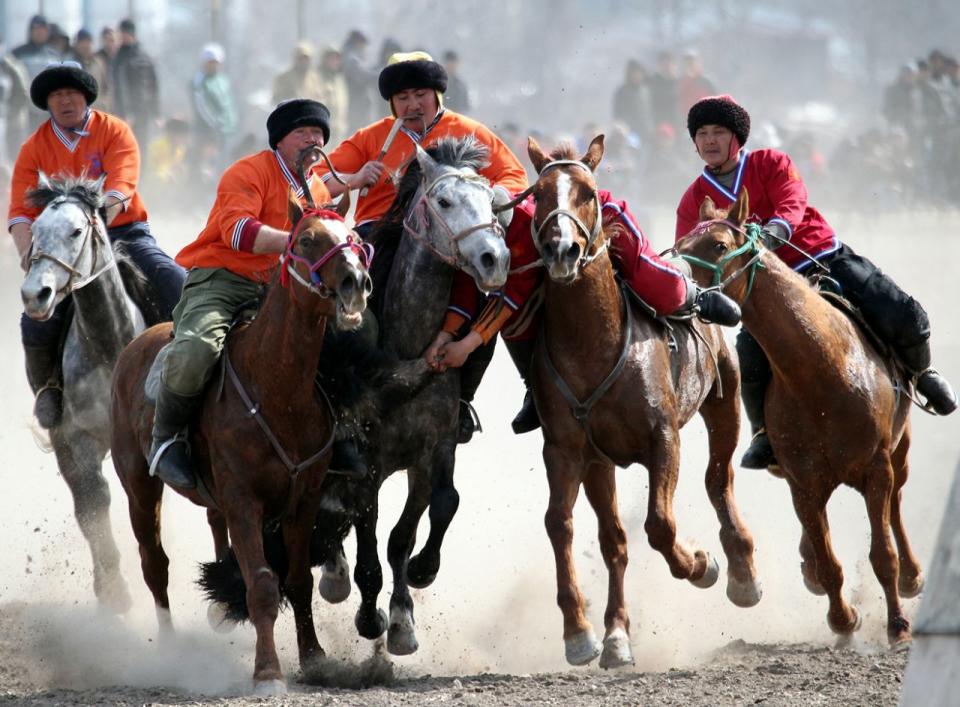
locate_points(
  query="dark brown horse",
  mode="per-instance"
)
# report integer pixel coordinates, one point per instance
(638, 395)
(258, 467)
(835, 410)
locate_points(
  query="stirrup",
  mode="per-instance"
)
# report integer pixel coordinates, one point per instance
(164, 446)
(466, 428)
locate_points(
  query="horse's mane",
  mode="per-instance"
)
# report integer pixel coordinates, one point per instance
(85, 190)
(564, 151)
(137, 285)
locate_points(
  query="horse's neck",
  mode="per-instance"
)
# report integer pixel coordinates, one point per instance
(586, 314)
(795, 327)
(280, 350)
(104, 315)
(418, 292)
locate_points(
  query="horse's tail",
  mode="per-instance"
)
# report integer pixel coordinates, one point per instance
(138, 287)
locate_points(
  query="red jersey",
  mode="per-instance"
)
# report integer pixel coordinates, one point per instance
(656, 281)
(777, 195)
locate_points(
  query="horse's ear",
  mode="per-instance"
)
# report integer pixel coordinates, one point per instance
(294, 212)
(344, 206)
(43, 181)
(537, 155)
(740, 211)
(594, 153)
(428, 165)
(708, 209)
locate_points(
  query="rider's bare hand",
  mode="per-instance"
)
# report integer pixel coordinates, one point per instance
(433, 355)
(368, 175)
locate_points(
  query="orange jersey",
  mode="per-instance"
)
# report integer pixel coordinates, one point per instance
(253, 192)
(365, 145)
(104, 144)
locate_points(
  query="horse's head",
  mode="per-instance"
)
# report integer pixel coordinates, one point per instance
(567, 224)
(455, 212)
(327, 259)
(723, 247)
(70, 247)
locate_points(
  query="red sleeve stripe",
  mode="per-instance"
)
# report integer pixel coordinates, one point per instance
(245, 234)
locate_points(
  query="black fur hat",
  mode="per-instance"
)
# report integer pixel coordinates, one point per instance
(68, 74)
(295, 113)
(719, 110)
(401, 74)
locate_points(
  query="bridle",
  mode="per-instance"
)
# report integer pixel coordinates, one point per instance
(535, 230)
(315, 284)
(77, 279)
(751, 246)
(456, 260)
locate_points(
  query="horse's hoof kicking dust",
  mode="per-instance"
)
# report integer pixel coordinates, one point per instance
(710, 575)
(616, 650)
(582, 648)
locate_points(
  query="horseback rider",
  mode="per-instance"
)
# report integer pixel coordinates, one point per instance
(413, 84)
(719, 128)
(228, 264)
(660, 283)
(79, 140)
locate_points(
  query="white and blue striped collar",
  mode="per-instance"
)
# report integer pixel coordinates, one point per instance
(63, 134)
(737, 182)
(418, 137)
(290, 177)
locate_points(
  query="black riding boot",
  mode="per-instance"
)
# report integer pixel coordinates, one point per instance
(755, 376)
(43, 374)
(715, 307)
(527, 420)
(170, 451)
(471, 373)
(938, 392)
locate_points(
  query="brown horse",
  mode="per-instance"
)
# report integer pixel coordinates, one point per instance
(835, 410)
(262, 443)
(593, 347)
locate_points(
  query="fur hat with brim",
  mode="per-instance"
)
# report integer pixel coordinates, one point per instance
(68, 74)
(411, 70)
(719, 110)
(293, 114)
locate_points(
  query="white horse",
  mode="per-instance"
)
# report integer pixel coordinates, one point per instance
(72, 257)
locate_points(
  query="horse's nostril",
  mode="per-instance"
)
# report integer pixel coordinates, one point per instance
(573, 253)
(367, 284)
(488, 261)
(548, 249)
(45, 293)
(347, 285)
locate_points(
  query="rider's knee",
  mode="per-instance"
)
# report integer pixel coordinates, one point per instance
(189, 363)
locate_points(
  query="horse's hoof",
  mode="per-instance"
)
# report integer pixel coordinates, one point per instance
(266, 688)
(420, 576)
(115, 596)
(909, 590)
(744, 594)
(217, 617)
(582, 648)
(334, 585)
(901, 643)
(710, 575)
(371, 629)
(401, 638)
(616, 650)
(846, 632)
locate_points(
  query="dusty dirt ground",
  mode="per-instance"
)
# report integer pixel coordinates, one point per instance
(489, 628)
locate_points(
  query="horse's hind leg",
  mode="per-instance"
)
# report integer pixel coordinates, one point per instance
(600, 485)
(911, 577)
(80, 460)
(811, 510)
(883, 555)
(423, 567)
(401, 637)
(661, 527)
(563, 475)
(721, 416)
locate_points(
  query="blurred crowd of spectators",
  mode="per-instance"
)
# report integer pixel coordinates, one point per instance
(906, 158)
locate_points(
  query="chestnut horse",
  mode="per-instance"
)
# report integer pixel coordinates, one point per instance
(595, 348)
(835, 409)
(262, 443)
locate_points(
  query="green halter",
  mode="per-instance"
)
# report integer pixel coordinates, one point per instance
(751, 246)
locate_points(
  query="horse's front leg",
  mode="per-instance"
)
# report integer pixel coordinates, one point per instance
(218, 529)
(370, 621)
(298, 583)
(80, 459)
(564, 475)
(423, 567)
(600, 485)
(401, 637)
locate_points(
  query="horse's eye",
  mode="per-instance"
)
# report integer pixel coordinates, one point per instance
(77, 232)
(444, 204)
(720, 248)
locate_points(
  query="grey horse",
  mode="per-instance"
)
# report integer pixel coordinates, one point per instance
(72, 257)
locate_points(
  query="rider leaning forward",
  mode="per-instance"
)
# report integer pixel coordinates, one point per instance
(230, 261)
(719, 127)
(413, 85)
(75, 141)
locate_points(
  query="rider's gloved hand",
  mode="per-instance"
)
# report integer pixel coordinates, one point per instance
(774, 235)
